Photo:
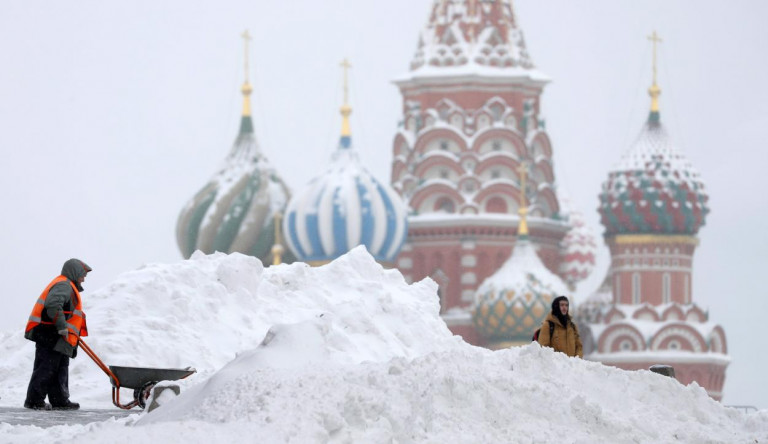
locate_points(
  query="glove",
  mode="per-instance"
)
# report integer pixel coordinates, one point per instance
(64, 333)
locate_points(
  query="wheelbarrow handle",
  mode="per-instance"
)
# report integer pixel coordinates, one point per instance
(115, 381)
(98, 362)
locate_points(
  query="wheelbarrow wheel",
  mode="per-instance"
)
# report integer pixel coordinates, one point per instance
(141, 394)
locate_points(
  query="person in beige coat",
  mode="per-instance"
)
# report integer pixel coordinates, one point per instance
(565, 336)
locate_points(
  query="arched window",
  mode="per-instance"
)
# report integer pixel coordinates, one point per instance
(445, 205)
(617, 292)
(496, 205)
(635, 288)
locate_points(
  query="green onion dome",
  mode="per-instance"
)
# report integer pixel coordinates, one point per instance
(236, 210)
(513, 302)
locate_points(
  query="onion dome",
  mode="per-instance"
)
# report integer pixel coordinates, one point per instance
(235, 211)
(654, 189)
(513, 302)
(345, 207)
(578, 248)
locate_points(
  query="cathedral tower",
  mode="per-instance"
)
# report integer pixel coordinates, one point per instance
(652, 206)
(471, 117)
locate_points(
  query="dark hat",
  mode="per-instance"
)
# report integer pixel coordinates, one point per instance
(556, 303)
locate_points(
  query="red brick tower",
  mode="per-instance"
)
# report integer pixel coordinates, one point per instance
(470, 118)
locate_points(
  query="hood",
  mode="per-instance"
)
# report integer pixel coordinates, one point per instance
(555, 313)
(73, 270)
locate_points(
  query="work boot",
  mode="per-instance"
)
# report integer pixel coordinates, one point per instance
(69, 405)
(37, 405)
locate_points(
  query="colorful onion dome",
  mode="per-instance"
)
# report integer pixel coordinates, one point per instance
(578, 248)
(235, 211)
(513, 302)
(343, 208)
(654, 189)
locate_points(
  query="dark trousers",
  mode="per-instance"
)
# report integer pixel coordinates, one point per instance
(50, 376)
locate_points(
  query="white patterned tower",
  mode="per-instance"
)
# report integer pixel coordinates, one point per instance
(471, 116)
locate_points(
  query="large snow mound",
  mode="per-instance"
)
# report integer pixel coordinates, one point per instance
(201, 312)
(350, 353)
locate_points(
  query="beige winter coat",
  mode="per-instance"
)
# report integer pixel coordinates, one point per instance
(563, 339)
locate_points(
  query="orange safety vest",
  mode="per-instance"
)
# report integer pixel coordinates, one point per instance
(75, 318)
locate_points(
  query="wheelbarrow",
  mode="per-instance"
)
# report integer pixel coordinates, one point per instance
(140, 379)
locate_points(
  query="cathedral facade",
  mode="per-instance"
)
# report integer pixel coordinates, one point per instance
(474, 205)
(471, 124)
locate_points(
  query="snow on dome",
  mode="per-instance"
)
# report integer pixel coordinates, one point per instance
(343, 208)
(513, 302)
(653, 189)
(468, 37)
(353, 354)
(235, 211)
(578, 247)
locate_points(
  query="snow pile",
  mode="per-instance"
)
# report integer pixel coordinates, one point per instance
(350, 353)
(203, 311)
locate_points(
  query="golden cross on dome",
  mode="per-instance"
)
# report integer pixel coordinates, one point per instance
(523, 171)
(246, 89)
(654, 91)
(277, 248)
(346, 110)
(522, 229)
(246, 38)
(346, 65)
(655, 39)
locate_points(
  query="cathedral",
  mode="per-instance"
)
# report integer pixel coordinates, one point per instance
(473, 204)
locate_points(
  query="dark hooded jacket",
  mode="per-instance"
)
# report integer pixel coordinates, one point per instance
(59, 299)
(565, 337)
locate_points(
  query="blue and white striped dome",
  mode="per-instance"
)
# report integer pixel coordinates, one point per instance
(343, 208)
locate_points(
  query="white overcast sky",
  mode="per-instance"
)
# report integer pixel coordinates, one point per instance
(113, 114)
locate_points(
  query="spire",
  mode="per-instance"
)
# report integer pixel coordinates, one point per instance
(346, 110)
(654, 91)
(246, 124)
(522, 229)
(278, 249)
(472, 33)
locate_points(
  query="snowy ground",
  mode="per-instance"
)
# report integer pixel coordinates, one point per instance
(346, 353)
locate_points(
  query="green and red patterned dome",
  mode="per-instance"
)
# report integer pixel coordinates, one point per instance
(654, 189)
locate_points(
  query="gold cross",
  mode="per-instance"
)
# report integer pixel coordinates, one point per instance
(655, 39)
(346, 65)
(523, 171)
(246, 38)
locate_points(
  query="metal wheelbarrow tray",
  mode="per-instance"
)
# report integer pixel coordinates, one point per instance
(140, 379)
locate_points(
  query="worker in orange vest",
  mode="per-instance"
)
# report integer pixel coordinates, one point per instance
(55, 325)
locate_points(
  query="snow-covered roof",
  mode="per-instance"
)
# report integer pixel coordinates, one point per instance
(652, 145)
(235, 211)
(465, 38)
(653, 189)
(342, 208)
(482, 219)
(515, 273)
(514, 300)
